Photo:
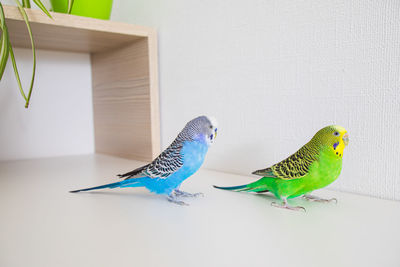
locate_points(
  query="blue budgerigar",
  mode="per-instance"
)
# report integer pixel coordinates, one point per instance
(175, 164)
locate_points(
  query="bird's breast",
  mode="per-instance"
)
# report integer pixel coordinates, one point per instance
(193, 155)
(327, 170)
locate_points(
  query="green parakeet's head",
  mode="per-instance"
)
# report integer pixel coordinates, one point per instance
(334, 137)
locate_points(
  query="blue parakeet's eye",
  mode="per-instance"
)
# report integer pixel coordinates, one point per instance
(211, 126)
(336, 133)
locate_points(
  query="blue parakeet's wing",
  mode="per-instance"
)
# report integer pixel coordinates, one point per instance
(168, 162)
(171, 159)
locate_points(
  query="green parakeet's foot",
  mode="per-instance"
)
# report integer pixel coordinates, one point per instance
(186, 194)
(172, 198)
(285, 205)
(318, 199)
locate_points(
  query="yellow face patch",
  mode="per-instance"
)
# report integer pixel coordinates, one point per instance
(338, 148)
(341, 142)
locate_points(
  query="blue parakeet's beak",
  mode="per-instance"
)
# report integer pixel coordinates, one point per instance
(346, 139)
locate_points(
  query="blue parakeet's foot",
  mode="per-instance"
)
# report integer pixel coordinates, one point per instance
(285, 205)
(318, 199)
(186, 194)
(172, 198)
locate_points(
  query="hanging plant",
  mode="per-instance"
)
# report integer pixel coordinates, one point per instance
(6, 50)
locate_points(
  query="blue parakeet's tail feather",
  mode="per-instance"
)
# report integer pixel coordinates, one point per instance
(125, 183)
(112, 185)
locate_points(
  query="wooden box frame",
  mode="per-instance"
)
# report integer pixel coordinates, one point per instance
(124, 75)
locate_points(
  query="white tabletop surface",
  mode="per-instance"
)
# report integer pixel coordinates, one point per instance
(41, 224)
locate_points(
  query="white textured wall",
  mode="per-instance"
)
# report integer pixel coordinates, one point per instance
(274, 72)
(59, 120)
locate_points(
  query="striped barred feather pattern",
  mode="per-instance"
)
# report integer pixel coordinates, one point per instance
(193, 128)
(170, 160)
(295, 166)
(298, 165)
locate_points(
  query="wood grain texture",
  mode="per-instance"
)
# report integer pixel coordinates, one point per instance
(69, 32)
(125, 119)
(154, 97)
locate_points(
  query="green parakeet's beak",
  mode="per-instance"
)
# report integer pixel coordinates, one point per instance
(346, 139)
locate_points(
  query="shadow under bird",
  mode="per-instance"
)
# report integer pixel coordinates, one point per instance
(316, 165)
(174, 165)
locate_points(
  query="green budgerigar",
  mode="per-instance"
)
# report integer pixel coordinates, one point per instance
(317, 164)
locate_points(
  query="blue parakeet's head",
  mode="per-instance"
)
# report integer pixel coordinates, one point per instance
(202, 128)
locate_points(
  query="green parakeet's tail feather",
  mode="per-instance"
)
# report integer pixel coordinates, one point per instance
(252, 187)
(232, 188)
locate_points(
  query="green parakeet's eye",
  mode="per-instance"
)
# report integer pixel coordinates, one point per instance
(336, 133)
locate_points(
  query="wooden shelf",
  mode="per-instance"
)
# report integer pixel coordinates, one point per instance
(124, 75)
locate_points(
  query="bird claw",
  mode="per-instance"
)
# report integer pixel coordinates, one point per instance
(176, 201)
(329, 200)
(318, 199)
(199, 194)
(286, 206)
(333, 200)
(186, 194)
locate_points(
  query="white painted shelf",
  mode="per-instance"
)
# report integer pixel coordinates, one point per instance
(44, 225)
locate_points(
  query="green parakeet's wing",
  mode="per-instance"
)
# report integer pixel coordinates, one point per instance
(294, 167)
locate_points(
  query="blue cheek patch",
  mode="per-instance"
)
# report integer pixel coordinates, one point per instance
(335, 145)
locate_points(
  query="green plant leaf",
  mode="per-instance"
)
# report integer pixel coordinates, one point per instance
(42, 7)
(4, 49)
(70, 3)
(14, 63)
(26, 3)
(25, 16)
(3, 53)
